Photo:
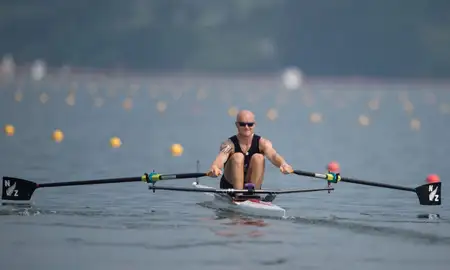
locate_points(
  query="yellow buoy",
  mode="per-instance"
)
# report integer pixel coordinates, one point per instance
(415, 124)
(9, 130)
(233, 111)
(115, 142)
(18, 96)
(363, 120)
(177, 149)
(70, 99)
(315, 118)
(161, 106)
(127, 104)
(57, 135)
(272, 114)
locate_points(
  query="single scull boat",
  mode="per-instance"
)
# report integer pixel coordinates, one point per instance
(246, 204)
(248, 201)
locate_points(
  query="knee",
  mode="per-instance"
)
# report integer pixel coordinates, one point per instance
(237, 159)
(258, 158)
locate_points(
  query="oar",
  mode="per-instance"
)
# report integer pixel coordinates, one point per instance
(428, 194)
(16, 189)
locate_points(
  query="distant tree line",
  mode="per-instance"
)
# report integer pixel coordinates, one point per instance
(407, 38)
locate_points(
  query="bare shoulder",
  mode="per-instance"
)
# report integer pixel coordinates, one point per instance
(264, 143)
(227, 146)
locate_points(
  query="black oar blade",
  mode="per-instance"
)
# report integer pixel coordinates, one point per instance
(429, 194)
(16, 189)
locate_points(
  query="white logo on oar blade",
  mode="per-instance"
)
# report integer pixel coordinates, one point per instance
(12, 190)
(433, 196)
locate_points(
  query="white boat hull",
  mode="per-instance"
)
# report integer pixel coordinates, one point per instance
(253, 207)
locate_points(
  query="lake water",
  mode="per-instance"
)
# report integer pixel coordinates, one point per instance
(126, 226)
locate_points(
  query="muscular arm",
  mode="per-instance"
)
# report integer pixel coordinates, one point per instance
(226, 148)
(270, 153)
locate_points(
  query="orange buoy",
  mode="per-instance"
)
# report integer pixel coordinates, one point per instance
(433, 178)
(333, 167)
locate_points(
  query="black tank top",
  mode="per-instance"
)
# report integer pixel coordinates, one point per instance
(254, 149)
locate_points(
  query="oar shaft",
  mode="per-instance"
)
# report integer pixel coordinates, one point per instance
(93, 182)
(154, 177)
(355, 181)
(178, 176)
(367, 183)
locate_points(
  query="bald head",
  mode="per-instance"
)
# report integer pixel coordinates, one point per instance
(245, 116)
(245, 123)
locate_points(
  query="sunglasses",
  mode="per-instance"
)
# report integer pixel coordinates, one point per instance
(243, 124)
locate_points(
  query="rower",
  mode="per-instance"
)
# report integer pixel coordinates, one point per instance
(242, 156)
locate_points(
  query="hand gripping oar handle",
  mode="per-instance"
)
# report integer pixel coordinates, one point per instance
(428, 194)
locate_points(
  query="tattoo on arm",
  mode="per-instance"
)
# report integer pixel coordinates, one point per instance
(225, 150)
(226, 147)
